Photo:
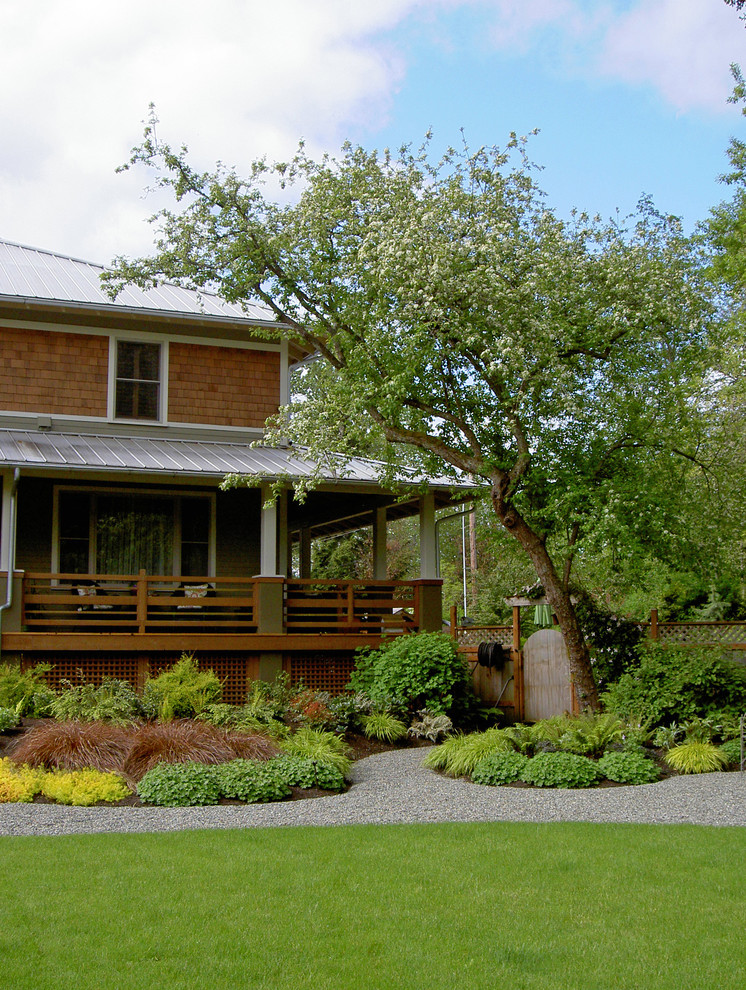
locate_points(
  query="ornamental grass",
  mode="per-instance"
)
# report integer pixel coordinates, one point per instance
(74, 746)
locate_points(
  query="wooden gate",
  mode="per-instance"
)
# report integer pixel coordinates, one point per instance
(547, 688)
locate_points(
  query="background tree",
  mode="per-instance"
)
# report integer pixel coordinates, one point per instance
(460, 317)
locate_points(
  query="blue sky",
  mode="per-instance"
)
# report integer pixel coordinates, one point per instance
(629, 96)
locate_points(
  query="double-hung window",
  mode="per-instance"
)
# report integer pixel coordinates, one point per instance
(137, 382)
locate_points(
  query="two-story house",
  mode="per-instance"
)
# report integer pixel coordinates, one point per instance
(118, 548)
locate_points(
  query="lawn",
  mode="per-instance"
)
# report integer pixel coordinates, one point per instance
(365, 907)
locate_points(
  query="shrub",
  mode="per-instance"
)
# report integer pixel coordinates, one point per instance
(113, 701)
(430, 726)
(301, 771)
(499, 769)
(17, 687)
(383, 726)
(731, 750)
(322, 746)
(696, 757)
(423, 670)
(181, 691)
(73, 746)
(673, 684)
(459, 755)
(179, 785)
(84, 787)
(628, 768)
(9, 719)
(251, 781)
(18, 783)
(181, 741)
(560, 770)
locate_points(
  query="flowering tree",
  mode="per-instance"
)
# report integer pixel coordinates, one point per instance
(458, 316)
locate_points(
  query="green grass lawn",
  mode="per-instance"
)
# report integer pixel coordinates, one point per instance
(441, 907)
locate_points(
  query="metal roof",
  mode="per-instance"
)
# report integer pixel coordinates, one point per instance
(190, 458)
(32, 275)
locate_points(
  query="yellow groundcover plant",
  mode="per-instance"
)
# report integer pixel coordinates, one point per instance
(78, 787)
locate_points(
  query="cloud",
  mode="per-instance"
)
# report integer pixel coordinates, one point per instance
(234, 79)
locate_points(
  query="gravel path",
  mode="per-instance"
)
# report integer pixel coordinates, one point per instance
(392, 787)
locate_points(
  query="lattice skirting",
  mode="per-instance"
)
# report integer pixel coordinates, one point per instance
(320, 672)
(236, 671)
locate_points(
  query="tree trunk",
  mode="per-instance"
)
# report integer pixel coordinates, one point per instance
(558, 597)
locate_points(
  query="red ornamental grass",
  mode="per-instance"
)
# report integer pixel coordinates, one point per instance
(74, 746)
(187, 741)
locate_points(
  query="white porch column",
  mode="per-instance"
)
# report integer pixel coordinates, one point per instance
(427, 536)
(6, 522)
(268, 534)
(283, 547)
(305, 552)
(379, 544)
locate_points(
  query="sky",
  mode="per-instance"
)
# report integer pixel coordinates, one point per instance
(629, 97)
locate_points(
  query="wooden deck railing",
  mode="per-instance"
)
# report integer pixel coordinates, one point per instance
(136, 603)
(378, 607)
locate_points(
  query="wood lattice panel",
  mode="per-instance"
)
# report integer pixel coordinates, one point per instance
(87, 669)
(474, 635)
(702, 633)
(320, 673)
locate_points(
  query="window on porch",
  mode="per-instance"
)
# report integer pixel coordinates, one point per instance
(109, 533)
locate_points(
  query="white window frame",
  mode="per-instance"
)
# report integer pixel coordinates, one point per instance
(140, 338)
(164, 493)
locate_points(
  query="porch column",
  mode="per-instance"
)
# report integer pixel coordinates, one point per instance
(6, 522)
(273, 551)
(427, 536)
(379, 544)
(305, 552)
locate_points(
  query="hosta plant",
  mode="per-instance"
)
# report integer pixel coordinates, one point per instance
(499, 769)
(696, 757)
(628, 768)
(179, 785)
(384, 727)
(251, 781)
(560, 770)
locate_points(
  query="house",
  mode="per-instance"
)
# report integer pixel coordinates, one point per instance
(118, 549)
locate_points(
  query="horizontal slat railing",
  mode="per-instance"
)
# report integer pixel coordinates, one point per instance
(137, 603)
(377, 607)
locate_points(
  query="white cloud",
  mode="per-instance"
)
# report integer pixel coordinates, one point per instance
(234, 79)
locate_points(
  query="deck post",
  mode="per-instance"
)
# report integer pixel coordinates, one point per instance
(305, 552)
(654, 633)
(379, 543)
(430, 610)
(269, 615)
(142, 600)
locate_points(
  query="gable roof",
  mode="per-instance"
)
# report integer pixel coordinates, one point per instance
(29, 275)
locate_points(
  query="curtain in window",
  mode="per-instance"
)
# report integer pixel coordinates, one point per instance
(134, 532)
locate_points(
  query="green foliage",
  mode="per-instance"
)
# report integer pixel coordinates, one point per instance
(430, 726)
(696, 757)
(731, 750)
(19, 782)
(179, 785)
(612, 640)
(459, 755)
(9, 719)
(17, 687)
(318, 745)
(499, 769)
(84, 787)
(587, 735)
(673, 684)
(302, 771)
(560, 770)
(251, 781)
(182, 691)
(423, 670)
(628, 768)
(113, 701)
(384, 727)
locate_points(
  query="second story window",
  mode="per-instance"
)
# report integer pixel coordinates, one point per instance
(138, 380)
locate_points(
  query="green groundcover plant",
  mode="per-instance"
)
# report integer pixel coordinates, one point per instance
(560, 770)
(499, 769)
(628, 768)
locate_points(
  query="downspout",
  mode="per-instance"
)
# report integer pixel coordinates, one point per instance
(11, 553)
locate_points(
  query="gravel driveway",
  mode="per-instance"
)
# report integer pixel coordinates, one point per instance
(393, 788)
